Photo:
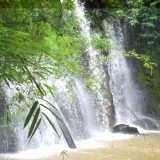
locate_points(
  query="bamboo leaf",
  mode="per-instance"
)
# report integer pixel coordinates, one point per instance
(43, 90)
(50, 90)
(51, 123)
(40, 58)
(49, 54)
(51, 112)
(34, 106)
(47, 69)
(49, 104)
(40, 75)
(22, 34)
(6, 81)
(37, 125)
(34, 122)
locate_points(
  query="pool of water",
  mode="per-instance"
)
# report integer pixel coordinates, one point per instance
(138, 147)
(135, 148)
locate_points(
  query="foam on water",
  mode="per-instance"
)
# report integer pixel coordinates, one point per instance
(95, 142)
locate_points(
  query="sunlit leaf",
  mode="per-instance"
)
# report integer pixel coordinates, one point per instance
(50, 89)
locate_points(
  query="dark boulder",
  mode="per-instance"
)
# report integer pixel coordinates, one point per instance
(124, 128)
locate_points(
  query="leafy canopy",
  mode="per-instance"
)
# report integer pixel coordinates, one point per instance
(38, 41)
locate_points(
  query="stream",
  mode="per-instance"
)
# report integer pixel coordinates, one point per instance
(138, 147)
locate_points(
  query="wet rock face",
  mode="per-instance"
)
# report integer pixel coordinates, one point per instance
(148, 123)
(8, 142)
(124, 128)
(2, 106)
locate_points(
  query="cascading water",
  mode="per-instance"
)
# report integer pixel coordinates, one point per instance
(84, 112)
(129, 99)
(103, 102)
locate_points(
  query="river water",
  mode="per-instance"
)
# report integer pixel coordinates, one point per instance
(135, 148)
(138, 147)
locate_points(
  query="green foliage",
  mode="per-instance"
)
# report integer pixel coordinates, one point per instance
(37, 114)
(39, 40)
(35, 104)
(148, 76)
(101, 44)
(68, 4)
(147, 62)
(149, 22)
(146, 38)
(37, 45)
(90, 83)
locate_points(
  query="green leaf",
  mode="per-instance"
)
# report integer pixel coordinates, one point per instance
(48, 69)
(6, 81)
(64, 153)
(51, 112)
(34, 122)
(40, 75)
(40, 58)
(35, 104)
(49, 54)
(51, 123)
(42, 90)
(50, 90)
(49, 104)
(37, 125)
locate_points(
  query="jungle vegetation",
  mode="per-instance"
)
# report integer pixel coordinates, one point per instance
(143, 18)
(38, 42)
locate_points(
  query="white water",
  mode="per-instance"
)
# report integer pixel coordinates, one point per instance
(121, 83)
(95, 142)
(85, 114)
(102, 98)
(129, 99)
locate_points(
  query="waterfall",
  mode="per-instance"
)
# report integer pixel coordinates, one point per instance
(130, 100)
(102, 98)
(86, 112)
